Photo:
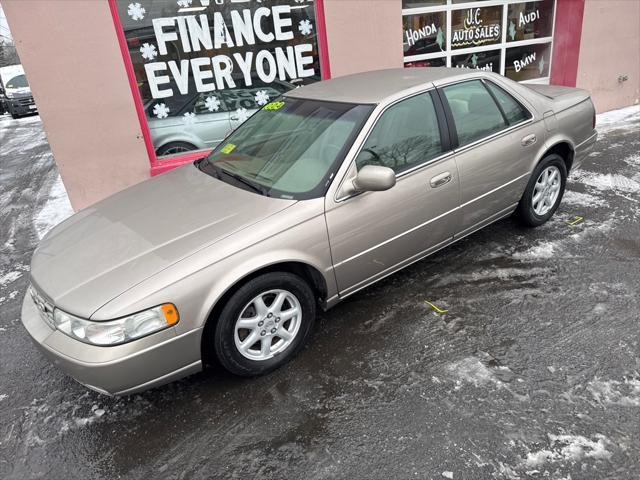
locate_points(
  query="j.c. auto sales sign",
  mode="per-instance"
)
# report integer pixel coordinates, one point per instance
(476, 26)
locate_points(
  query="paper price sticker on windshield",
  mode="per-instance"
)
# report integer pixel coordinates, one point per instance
(273, 106)
(228, 148)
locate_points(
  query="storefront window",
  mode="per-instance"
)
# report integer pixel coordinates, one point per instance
(474, 27)
(424, 33)
(488, 60)
(528, 62)
(422, 3)
(432, 62)
(530, 20)
(204, 66)
(502, 36)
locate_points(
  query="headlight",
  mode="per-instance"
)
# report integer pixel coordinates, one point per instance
(117, 331)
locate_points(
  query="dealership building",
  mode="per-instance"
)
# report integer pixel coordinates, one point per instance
(128, 89)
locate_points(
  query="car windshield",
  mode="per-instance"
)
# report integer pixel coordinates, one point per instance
(19, 81)
(290, 148)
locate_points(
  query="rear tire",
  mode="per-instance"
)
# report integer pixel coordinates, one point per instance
(544, 192)
(247, 339)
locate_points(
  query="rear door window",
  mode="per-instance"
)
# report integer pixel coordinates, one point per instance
(475, 114)
(512, 109)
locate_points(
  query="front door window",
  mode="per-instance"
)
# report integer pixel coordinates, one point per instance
(406, 135)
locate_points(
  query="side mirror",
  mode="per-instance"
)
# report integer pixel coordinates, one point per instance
(373, 178)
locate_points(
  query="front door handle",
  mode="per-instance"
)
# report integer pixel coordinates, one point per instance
(441, 179)
(528, 140)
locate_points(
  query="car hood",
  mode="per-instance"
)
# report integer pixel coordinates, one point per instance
(119, 242)
(16, 93)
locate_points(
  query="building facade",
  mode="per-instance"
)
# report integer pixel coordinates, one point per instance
(128, 89)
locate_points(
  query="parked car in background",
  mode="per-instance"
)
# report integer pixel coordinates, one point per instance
(216, 114)
(15, 94)
(321, 193)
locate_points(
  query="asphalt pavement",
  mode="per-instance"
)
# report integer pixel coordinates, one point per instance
(531, 371)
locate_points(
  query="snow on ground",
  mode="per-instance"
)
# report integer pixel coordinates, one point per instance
(617, 119)
(572, 197)
(471, 370)
(9, 277)
(607, 182)
(613, 392)
(570, 448)
(54, 211)
(551, 248)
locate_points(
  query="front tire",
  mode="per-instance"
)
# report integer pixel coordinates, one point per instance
(544, 192)
(175, 148)
(264, 324)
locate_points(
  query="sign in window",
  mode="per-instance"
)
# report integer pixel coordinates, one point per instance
(510, 37)
(202, 67)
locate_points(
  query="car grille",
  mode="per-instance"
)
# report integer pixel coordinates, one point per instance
(25, 101)
(45, 308)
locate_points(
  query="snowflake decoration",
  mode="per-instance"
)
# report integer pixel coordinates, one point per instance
(262, 97)
(305, 27)
(184, 3)
(189, 118)
(212, 103)
(136, 11)
(160, 110)
(148, 51)
(242, 115)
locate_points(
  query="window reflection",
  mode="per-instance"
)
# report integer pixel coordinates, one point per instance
(478, 36)
(528, 62)
(203, 67)
(488, 61)
(529, 20)
(424, 33)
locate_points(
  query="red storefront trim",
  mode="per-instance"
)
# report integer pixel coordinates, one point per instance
(137, 99)
(566, 42)
(164, 165)
(323, 44)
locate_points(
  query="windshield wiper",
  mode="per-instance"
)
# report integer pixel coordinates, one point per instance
(244, 181)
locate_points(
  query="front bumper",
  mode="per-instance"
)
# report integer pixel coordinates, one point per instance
(21, 106)
(122, 369)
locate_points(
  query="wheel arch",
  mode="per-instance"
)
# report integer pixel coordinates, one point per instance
(311, 274)
(562, 147)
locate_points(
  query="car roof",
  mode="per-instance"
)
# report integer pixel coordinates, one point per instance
(376, 86)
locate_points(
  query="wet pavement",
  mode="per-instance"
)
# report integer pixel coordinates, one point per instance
(532, 372)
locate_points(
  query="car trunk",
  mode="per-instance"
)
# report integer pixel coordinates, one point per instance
(563, 97)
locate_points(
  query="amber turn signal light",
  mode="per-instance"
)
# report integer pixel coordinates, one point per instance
(170, 313)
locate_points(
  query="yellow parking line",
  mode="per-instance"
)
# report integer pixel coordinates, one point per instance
(435, 307)
(576, 220)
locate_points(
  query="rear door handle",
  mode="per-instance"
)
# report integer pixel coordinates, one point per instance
(528, 140)
(441, 179)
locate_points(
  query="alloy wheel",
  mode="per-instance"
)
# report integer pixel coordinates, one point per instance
(268, 325)
(546, 190)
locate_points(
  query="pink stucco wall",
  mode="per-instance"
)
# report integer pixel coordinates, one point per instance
(610, 47)
(363, 35)
(73, 62)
